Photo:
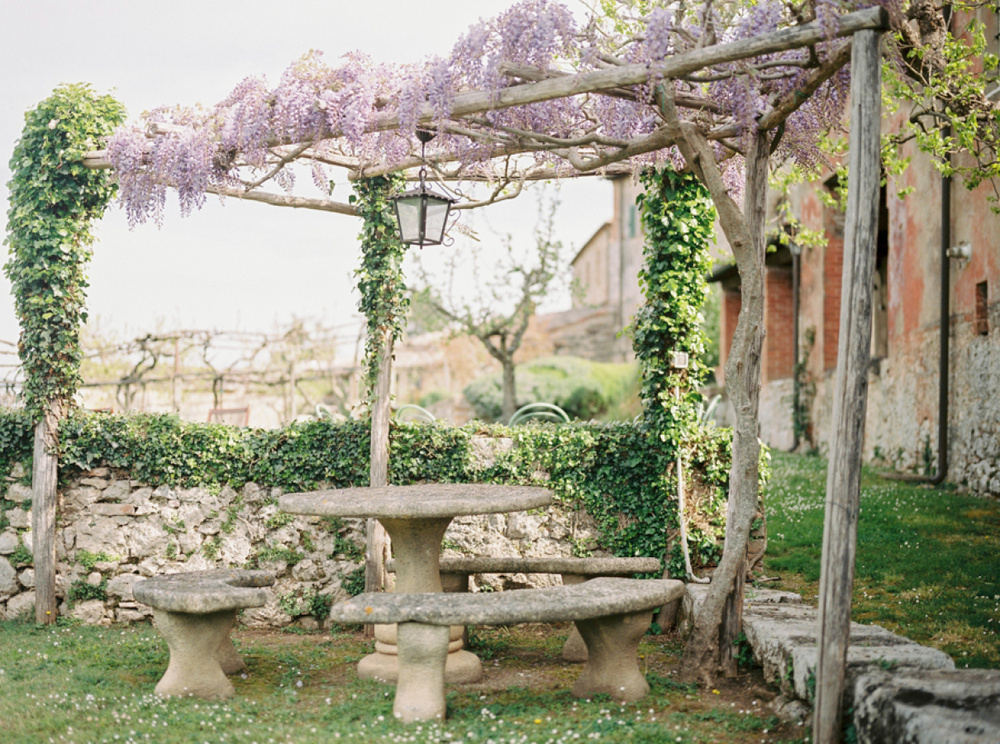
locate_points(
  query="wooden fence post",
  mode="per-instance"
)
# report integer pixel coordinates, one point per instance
(44, 482)
(843, 483)
(378, 539)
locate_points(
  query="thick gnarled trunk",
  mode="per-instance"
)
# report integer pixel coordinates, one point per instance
(710, 651)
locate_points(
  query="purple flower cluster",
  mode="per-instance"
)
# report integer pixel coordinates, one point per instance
(336, 110)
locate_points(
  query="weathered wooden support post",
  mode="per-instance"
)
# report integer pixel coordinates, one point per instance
(843, 483)
(44, 482)
(377, 538)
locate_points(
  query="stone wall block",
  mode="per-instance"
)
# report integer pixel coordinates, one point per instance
(19, 518)
(112, 509)
(189, 541)
(150, 567)
(132, 614)
(523, 526)
(198, 495)
(307, 570)
(101, 534)
(209, 527)
(91, 612)
(121, 586)
(163, 493)
(145, 539)
(27, 578)
(227, 495)
(18, 492)
(21, 605)
(484, 450)
(79, 499)
(142, 499)
(236, 549)
(99, 483)
(193, 514)
(116, 491)
(8, 579)
(288, 536)
(8, 542)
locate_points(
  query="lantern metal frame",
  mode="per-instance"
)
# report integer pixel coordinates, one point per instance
(422, 199)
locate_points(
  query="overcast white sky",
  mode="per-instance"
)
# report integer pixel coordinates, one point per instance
(239, 266)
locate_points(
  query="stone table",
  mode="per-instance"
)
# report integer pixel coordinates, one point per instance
(416, 518)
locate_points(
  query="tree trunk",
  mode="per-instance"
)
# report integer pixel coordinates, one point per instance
(44, 481)
(509, 391)
(843, 483)
(710, 651)
(378, 540)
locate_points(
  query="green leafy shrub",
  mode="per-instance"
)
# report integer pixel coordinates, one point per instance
(621, 473)
(21, 556)
(354, 582)
(80, 590)
(582, 388)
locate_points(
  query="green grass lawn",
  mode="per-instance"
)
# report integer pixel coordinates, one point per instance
(928, 568)
(74, 683)
(928, 561)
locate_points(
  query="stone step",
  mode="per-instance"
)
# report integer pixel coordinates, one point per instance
(901, 692)
(935, 707)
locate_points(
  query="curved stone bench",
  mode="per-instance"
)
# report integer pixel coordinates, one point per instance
(194, 612)
(611, 614)
(455, 573)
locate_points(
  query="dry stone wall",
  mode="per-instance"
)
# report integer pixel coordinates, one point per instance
(114, 531)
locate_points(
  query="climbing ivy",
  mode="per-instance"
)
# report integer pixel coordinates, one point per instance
(54, 201)
(380, 279)
(677, 219)
(607, 470)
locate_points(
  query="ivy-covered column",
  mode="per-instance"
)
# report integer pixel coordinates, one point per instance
(678, 221)
(53, 202)
(384, 304)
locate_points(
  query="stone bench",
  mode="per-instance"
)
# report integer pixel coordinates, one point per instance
(194, 612)
(455, 573)
(611, 614)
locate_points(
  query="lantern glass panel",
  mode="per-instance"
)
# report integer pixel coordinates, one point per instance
(408, 210)
(436, 219)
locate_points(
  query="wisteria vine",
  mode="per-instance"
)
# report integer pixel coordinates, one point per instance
(363, 115)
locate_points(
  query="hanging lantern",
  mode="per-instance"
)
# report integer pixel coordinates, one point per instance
(421, 214)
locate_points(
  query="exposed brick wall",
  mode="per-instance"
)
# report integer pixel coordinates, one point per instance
(779, 321)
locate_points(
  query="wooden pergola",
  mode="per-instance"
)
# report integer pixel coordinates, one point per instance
(596, 154)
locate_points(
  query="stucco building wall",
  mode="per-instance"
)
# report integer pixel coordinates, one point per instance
(903, 400)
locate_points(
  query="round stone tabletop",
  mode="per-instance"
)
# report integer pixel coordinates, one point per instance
(429, 500)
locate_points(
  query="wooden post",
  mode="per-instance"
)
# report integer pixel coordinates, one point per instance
(843, 483)
(378, 540)
(44, 480)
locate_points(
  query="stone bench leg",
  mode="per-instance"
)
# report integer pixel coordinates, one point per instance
(420, 684)
(613, 662)
(195, 642)
(229, 658)
(574, 650)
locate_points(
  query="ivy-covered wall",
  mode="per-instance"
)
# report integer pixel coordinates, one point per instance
(141, 494)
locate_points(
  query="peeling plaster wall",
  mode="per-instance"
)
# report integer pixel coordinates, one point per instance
(902, 422)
